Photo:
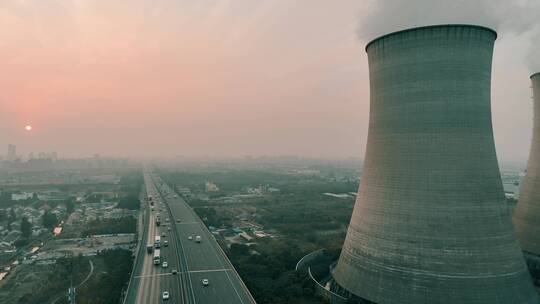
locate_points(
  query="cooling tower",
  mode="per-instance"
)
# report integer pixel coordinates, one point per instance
(431, 224)
(527, 214)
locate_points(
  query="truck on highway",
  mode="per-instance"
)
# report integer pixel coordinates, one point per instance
(158, 221)
(157, 241)
(149, 248)
(198, 239)
(157, 257)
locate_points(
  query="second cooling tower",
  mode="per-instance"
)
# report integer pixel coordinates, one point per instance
(431, 224)
(527, 214)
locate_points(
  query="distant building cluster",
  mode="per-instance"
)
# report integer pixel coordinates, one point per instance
(246, 234)
(50, 160)
(21, 196)
(261, 189)
(211, 187)
(9, 235)
(11, 153)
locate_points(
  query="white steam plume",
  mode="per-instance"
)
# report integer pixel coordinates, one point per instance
(514, 16)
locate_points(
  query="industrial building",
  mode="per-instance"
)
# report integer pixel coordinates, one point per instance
(527, 213)
(431, 223)
(11, 153)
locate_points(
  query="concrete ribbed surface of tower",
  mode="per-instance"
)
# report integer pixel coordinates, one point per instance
(527, 214)
(431, 223)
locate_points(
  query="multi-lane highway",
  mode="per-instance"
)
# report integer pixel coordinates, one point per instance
(149, 281)
(189, 261)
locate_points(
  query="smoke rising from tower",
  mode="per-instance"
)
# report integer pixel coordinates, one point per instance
(431, 224)
(507, 16)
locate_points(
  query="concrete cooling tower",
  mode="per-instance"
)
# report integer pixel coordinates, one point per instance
(431, 224)
(527, 214)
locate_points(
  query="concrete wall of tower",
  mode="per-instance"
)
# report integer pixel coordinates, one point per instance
(527, 214)
(431, 224)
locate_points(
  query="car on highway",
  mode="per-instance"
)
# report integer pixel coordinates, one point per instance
(178, 220)
(169, 229)
(164, 265)
(198, 239)
(205, 282)
(174, 271)
(165, 243)
(165, 295)
(190, 237)
(163, 234)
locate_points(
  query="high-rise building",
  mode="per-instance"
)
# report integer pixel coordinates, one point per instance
(431, 223)
(527, 213)
(11, 152)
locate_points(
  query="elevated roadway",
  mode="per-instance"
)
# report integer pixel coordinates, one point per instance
(191, 261)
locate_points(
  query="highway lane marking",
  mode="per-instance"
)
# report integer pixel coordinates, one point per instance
(148, 276)
(219, 254)
(223, 258)
(182, 259)
(210, 270)
(187, 223)
(174, 243)
(144, 287)
(186, 266)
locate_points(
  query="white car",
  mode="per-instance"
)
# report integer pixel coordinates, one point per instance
(164, 265)
(165, 295)
(190, 237)
(205, 282)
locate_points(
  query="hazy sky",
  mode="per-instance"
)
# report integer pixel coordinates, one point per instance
(227, 78)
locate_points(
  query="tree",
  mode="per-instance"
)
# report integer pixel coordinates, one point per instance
(238, 250)
(11, 218)
(21, 243)
(130, 202)
(126, 224)
(5, 198)
(26, 227)
(49, 220)
(70, 206)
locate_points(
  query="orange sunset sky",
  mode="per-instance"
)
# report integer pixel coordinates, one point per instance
(211, 77)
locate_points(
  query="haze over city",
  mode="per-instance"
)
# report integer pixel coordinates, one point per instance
(228, 78)
(271, 152)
